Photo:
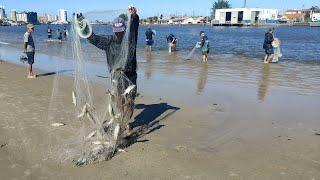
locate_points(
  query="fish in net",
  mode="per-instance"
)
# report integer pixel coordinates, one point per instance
(101, 115)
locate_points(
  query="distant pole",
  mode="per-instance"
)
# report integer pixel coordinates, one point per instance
(245, 4)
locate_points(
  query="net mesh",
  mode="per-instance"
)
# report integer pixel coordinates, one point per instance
(97, 127)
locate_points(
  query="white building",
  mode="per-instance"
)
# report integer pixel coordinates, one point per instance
(244, 15)
(2, 13)
(13, 15)
(62, 16)
(22, 17)
(315, 17)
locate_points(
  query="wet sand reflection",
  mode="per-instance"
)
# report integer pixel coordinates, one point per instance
(202, 79)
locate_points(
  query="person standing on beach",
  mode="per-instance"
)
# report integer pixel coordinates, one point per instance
(59, 33)
(204, 46)
(111, 44)
(49, 31)
(149, 38)
(29, 49)
(267, 45)
(65, 33)
(172, 42)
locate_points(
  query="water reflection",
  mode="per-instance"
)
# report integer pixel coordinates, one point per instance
(148, 69)
(202, 80)
(264, 82)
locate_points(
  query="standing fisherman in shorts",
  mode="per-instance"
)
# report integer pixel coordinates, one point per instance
(267, 45)
(149, 38)
(204, 46)
(49, 31)
(29, 49)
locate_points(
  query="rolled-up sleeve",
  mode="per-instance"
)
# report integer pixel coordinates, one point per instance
(101, 42)
(26, 38)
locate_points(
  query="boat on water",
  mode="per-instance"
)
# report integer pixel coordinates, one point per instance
(315, 24)
(315, 20)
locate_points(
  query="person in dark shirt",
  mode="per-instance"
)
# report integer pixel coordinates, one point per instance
(111, 44)
(65, 33)
(267, 45)
(204, 46)
(49, 31)
(172, 42)
(149, 38)
(59, 33)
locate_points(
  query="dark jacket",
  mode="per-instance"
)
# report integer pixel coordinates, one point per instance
(149, 34)
(113, 48)
(268, 38)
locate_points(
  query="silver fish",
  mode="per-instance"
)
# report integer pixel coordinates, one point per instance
(93, 133)
(57, 124)
(122, 150)
(83, 111)
(129, 89)
(116, 132)
(111, 113)
(74, 100)
(96, 142)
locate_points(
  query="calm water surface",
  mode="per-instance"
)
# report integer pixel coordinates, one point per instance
(235, 59)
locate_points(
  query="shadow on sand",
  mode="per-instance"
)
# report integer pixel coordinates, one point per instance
(54, 73)
(148, 121)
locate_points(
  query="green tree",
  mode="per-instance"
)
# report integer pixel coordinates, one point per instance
(307, 16)
(124, 17)
(155, 19)
(220, 4)
(315, 9)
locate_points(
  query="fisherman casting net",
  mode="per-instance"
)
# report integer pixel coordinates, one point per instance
(97, 129)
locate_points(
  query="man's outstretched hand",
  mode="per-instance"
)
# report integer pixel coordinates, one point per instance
(80, 17)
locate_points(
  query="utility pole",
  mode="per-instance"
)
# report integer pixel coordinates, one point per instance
(245, 4)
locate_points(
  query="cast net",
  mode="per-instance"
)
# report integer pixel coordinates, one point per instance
(96, 129)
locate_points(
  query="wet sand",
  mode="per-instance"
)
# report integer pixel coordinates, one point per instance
(228, 134)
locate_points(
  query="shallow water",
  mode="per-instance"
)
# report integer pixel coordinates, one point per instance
(236, 60)
(298, 43)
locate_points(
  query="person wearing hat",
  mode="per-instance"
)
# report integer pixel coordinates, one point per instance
(111, 44)
(267, 45)
(29, 49)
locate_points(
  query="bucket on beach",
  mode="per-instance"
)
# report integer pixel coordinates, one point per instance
(23, 58)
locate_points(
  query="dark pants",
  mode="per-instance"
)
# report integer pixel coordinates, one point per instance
(30, 56)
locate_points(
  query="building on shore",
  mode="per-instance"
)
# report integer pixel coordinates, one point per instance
(63, 19)
(244, 16)
(294, 15)
(13, 16)
(32, 17)
(22, 17)
(43, 19)
(26, 17)
(315, 17)
(2, 13)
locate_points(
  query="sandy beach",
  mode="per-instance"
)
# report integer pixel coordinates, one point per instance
(231, 135)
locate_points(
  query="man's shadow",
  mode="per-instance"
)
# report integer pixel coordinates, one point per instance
(148, 121)
(54, 73)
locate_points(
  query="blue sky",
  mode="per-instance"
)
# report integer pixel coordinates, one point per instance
(146, 7)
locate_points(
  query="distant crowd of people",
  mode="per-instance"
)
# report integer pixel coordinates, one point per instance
(61, 35)
(203, 43)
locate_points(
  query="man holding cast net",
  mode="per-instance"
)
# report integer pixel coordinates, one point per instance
(120, 49)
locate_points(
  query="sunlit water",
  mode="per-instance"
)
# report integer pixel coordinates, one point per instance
(235, 59)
